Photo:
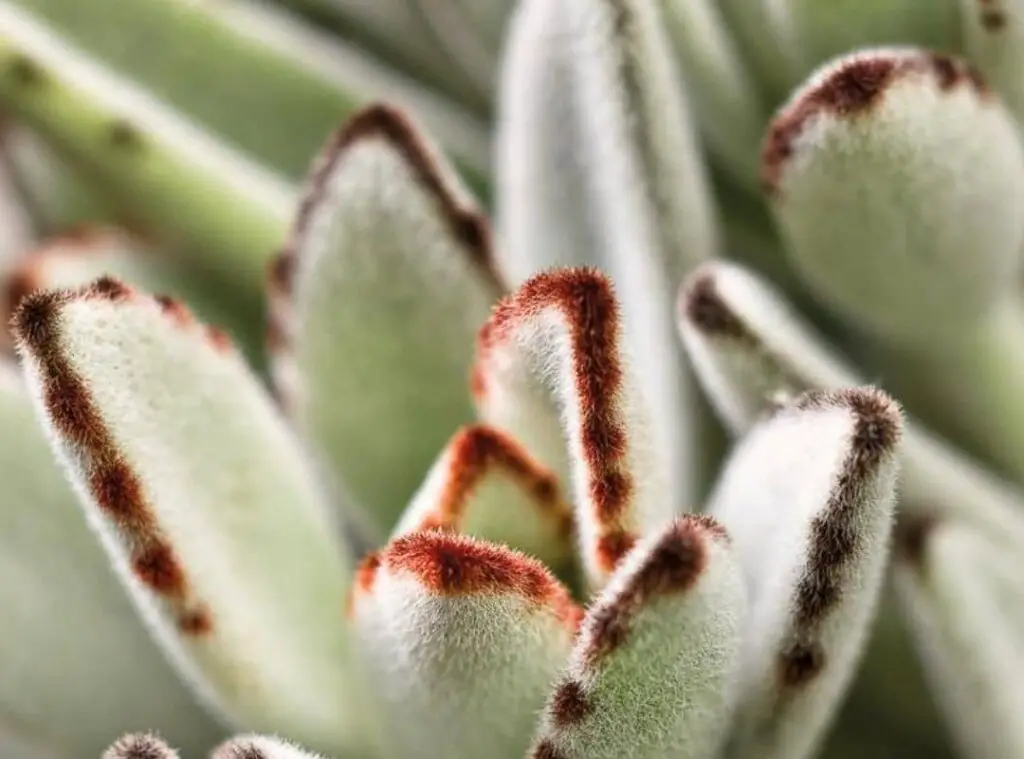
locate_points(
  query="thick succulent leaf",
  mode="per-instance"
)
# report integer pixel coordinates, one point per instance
(969, 625)
(459, 36)
(228, 213)
(544, 210)
(560, 338)
(896, 178)
(635, 171)
(750, 349)
(375, 302)
(727, 105)
(993, 38)
(649, 671)
(485, 484)
(259, 747)
(205, 503)
(140, 746)
(68, 624)
(256, 75)
(459, 640)
(808, 498)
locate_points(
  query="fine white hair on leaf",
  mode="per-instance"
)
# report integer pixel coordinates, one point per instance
(560, 336)
(649, 671)
(807, 497)
(204, 501)
(459, 641)
(259, 747)
(140, 746)
(487, 485)
(374, 303)
(962, 598)
(896, 177)
(750, 349)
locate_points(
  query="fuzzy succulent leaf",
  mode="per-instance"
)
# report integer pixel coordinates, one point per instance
(203, 500)
(897, 178)
(813, 549)
(962, 597)
(648, 673)
(386, 276)
(459, 640)
(750, 349)
(560, 337)
(485, 484)
(76, 611)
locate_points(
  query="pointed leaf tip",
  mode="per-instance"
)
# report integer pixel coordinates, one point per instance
(374, 301)
(259, 747)
(563, 328)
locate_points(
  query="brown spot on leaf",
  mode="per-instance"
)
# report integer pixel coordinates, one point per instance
(585, 299)
(834, 538)
(912, 536)
(478, 451)
(455, 565)
(569, 705)
(853, 88)
(672, 566)
(800, 663)
(702, 306)
(114, 486)
(124, 135)
(238, 749)
(24, 71)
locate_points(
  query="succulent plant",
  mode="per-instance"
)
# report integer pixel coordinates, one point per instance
(462, 409)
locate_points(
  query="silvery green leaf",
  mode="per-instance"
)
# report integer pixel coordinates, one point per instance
(258, 76)
(969, 624)
(813, 547)
(259, 747)
(648, 673)
(17, 226)
(727, 105)
(140, 746)
(641, 207)
(897, 177)
(459, 640)
(750, 349)
(462, 40)
(203, 500)
(993, 33)
(375, 302)
(767, 39)
(166, 173)
(68, 625)
(485, 484)
(558, 341)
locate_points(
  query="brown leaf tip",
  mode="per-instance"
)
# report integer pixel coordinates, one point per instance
(569, 704)
(912, 536)
(140, 746)
(453, 565)
(993, 15)
(800, 664)
(479, 449)
(850, 89)
(381, 121)
(878, 419)
(701, 305)
(547, 750)
(586, 300)
(673, 565)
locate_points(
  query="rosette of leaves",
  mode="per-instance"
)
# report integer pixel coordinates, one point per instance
(882, 199)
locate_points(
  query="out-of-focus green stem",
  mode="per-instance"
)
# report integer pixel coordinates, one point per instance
(259, 78)
(165, 174)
